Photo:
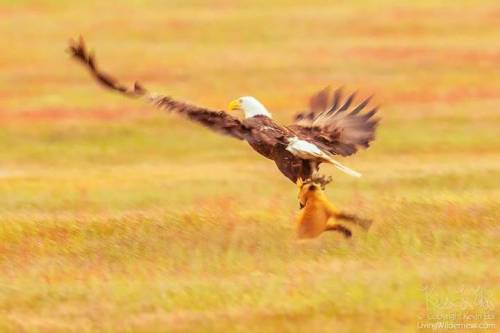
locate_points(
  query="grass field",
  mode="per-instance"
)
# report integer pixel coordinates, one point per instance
(114, 217)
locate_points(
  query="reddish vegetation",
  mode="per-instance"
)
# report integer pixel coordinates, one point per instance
(421, 95)
(427, 55)
(429, 95)
(62, 114)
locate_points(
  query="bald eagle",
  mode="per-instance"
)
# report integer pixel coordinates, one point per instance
(331, 126)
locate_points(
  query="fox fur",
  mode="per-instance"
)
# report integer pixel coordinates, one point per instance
(317, 213)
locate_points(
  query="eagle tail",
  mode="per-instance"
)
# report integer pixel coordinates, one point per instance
(342, 167)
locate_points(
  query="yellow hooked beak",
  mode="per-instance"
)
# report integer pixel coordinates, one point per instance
(235, 105)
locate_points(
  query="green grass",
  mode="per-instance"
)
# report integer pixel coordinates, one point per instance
(114, 217)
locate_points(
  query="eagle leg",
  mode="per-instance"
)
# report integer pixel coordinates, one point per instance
(310, 174)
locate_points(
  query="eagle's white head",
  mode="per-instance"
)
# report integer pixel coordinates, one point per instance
(250, 106)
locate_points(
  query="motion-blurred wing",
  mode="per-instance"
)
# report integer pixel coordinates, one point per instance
(341, 128)
(218, 121)
(318, 103)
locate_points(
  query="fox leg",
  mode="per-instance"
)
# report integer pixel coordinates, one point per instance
(339, 228)
(334, 212)
(300, 183)
(363, 223)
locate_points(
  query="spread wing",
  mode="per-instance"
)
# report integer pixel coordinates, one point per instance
(335, 124)
(318, 103)
(218, 121)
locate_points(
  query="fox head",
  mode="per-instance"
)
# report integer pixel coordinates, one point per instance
(307, 191)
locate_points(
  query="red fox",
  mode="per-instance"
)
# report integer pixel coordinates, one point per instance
(316, 213)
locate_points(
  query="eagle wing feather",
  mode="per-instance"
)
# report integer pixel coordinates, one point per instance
(338, 128)
(218, 121)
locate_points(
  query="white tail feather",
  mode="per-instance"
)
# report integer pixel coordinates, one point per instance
(342, 167)
(309, 151)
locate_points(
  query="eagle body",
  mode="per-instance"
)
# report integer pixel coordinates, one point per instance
(264, 135)
(267, 140)
(331, 126)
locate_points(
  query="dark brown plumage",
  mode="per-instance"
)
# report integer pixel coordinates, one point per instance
(336, 127)
(330, 123)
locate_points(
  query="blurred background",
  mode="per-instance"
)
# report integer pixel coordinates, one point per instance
(114, 216)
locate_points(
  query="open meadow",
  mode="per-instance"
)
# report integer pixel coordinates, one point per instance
(115, 217)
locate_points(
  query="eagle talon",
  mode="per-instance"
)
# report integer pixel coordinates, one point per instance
(317, 179)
